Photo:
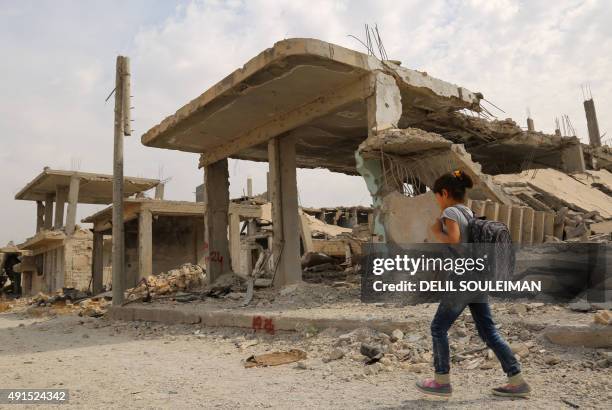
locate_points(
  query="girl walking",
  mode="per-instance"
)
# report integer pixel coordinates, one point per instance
(452, 228)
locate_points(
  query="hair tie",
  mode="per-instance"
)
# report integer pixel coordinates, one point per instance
(457, 173)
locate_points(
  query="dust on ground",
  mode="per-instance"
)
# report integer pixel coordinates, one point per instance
(143, 365)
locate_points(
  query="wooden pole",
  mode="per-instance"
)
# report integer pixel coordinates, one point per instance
(122, 94)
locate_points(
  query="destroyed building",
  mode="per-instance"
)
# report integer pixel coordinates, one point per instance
(311, 104)
(59, 254)
(159, 236)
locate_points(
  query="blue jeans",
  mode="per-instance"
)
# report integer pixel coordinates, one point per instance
(446, 315)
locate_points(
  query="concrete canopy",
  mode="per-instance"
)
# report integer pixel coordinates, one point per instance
(309, 88)
(94, 188)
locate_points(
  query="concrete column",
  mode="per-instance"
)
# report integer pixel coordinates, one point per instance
(145, 247)
(283, 184)
(478, 207)
(572, 158)
(40, 216)
(234, 241)
(73, 199)
(504, 214)
(159, 191)
(200, 193)
(384, 111)
(306, 233)
(354, 218)
(61, 195)
(200, 241)
(538, 226)
(491, 210)
(527, 228)
(97, 265)
(559, 229)
(516, 224)
(48, 221)
(216, 185)
(249, 187)
(593, 126)
(549, 224)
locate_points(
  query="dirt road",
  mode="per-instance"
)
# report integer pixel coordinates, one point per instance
(142, 365)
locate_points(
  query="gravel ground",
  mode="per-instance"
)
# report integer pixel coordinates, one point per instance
(144, 365)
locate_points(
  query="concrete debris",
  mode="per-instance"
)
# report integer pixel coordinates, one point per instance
(373, 353)
(335, 354)
(586, 336)
(557, 189)
(310, 259)
(187, 277)
(397, 335)
(603, 317)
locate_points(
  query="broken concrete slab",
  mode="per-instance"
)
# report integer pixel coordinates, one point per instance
(94, 188)
(585, 336)
(312, 90)
(563, 186)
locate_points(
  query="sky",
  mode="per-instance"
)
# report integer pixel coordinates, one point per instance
(58, 63)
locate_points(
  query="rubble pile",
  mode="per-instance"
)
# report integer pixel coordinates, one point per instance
(187, 277)
(583, 207)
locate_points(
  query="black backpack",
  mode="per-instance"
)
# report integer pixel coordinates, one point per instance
(500, 253)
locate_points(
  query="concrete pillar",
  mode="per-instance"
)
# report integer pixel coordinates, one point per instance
(216, 185)
(549, 224)
(384, 111)
(40, 216)
(73, 199)
(527, 228)
(200, 193)
(516, 224)
(285, 222)
(159, 191)
(249, 187)
(538, 226)
(145, 247)
(97, 263)
(559, 230)
(200, 241)
(592, 125)
(491, 210)
(572, 158)
(530, 124)
(48, 221)
(234, 241)
(306, 233)
(478, 207)
(268, 195)
(504, 214)
(61, 195)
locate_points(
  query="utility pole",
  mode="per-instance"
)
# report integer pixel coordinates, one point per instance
(122, 128)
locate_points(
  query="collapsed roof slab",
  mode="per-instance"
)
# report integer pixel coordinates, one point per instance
(132, 207)
(415, 156)
(568, 188)
(93, 189)
(500, 146)
(309, 88)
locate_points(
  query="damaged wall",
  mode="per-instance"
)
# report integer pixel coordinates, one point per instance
(175, 242)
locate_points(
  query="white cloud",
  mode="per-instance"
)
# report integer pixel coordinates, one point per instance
(60, 67)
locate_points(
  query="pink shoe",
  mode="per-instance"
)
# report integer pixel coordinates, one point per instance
(430, 386)
(512, 390)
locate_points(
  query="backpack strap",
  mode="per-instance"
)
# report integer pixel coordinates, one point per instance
(464, 212)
